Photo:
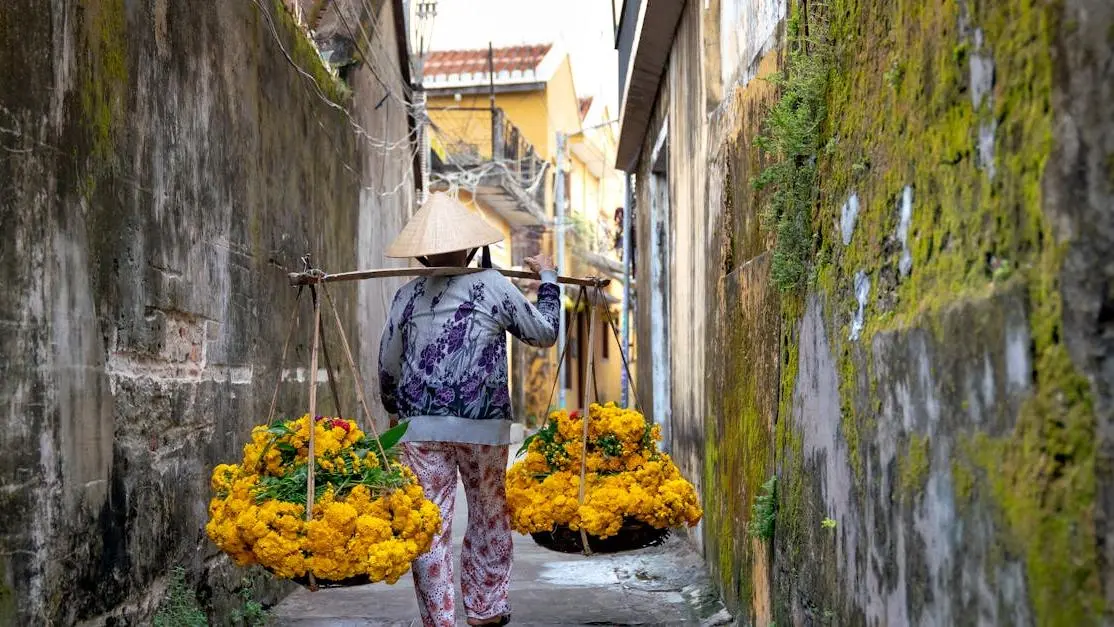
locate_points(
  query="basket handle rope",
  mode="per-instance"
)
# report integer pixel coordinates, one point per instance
(580, 293)
(585, 417)
(612, 326)
(318, 328)
(325, 355)
(355, 373)
(622, 354)
(292, 325)
(310, 479)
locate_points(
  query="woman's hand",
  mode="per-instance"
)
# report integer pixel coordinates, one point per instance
(540, 263)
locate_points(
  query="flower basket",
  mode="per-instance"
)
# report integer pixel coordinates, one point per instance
(369, 519)
(612, 491)
(633, 535)
(315, 500)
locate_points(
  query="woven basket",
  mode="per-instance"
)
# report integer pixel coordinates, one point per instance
(633, 535)
(361, 580)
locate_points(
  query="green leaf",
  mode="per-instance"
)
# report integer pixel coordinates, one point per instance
(286, 447)
(526, 444)
(392, 436)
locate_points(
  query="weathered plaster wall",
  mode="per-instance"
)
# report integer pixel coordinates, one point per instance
(939, 389)
(724, 319)
(162, 165)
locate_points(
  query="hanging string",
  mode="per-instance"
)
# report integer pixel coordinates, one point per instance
(585, 418)
(310, 478)
(622, 354)
(328, 362)
(355, 374)
(292, 325)
(581, 292)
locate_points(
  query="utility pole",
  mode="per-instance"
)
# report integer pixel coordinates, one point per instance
(491, 76)
(628, 205)
(559, 220)
(426, 12)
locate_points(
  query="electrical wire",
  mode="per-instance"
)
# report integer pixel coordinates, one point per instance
(383, 147)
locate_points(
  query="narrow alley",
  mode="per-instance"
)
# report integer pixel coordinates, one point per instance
(804, 307)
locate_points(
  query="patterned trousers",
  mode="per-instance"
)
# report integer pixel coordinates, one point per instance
(486, 557)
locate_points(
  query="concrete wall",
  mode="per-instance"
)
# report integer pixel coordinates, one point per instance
(162, 166)
(950, 422)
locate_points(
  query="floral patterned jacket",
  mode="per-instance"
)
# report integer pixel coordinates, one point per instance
(443, 355)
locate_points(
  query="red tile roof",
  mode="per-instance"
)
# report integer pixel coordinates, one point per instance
(585, 105)
(515, 58)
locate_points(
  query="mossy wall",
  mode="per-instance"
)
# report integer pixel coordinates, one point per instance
(938, 409)
(162, 166)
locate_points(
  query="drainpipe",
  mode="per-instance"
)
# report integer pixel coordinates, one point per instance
(628, 204)
(559, 220)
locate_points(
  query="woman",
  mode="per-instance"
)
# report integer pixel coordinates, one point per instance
(443, 370)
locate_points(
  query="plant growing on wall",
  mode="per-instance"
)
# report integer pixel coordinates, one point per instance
(791, 139)
(180, 607)
(251, 613)
(764, 511)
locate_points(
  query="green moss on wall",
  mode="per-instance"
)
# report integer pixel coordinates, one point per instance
(304, 53)
(788, 441)
(104, 74)
(925, 135)
(913, 467)
(963, 479)
(1042, 479)
(738, 459)
(851, 421)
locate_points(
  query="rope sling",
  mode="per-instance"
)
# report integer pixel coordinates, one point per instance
(318, 346)
(590, 384)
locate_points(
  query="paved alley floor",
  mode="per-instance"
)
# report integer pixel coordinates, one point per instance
(665, 585)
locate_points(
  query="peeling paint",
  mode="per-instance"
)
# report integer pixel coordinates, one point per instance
(862, 293)
(905, 265)
(847, 216)
(986, 137)
(747, 30)
(981, 68)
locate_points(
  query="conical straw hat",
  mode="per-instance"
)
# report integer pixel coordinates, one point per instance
(442, 225)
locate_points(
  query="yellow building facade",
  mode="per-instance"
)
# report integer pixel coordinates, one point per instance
(488, 149)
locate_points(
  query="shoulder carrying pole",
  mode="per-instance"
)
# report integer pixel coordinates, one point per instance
(310, 277)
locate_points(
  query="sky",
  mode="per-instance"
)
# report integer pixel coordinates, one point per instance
(582, 27)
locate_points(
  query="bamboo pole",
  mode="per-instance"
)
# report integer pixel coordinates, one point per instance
(311, 480)
(307, 278)
(585, 417)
